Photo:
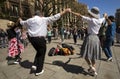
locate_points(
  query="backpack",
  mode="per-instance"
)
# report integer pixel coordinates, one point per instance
(52, 52)
(102, 29)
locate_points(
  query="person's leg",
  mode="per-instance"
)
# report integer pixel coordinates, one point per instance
(106, 52)
(93, 63)
(40, 46)
(48, 39)
(32, 41)
(88, 61)
(106, 47)
(109, 47)
(74, 38)
(101, 40)
(62, 37)
(92, 69)
(40, 56)
(110, 52)
(82, 36)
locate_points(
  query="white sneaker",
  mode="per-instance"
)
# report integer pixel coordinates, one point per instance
(39, 73)
(109, 59)
(34, 67)
(16, 62)
(92, 71)
(95, 73)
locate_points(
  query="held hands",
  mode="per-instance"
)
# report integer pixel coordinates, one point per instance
(107, 19)
(77, 14)
(68, 10)
(105, 15)
(20, 19)
(65, 11)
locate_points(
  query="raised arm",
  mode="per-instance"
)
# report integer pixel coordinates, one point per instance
(65, 11)
(23, 23)
(57, 16)
(77, 14)
(107, 19)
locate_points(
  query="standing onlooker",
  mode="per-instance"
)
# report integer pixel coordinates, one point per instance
(82, 32)
(69, 32)
(65, 33)
(62, 34)
(14, 47)
(3, 39)
(56, 33)
(91, 49)
(49, 34)
(110, 34)
(118, 34)
(75, 34)
(37, 31)
(79, 33)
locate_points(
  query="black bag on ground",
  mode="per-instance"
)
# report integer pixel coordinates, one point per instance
(51, 52)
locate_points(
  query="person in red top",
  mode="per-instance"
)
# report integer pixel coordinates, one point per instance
(14, 47)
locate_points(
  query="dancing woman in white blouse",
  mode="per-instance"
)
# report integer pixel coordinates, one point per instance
(91, 49)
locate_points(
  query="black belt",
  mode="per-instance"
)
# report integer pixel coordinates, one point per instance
(38, 37)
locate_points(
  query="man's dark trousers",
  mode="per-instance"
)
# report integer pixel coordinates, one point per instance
(39, 43)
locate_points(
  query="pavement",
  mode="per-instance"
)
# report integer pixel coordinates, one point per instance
(60, 67)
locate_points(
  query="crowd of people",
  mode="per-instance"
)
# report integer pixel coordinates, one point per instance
(3, 39)
(37, 28)
(64, 33)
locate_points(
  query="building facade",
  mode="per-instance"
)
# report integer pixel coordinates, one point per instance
(16, 8)
(117, 15)
(26, 9)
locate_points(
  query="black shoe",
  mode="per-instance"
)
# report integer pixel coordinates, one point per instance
(12, 62)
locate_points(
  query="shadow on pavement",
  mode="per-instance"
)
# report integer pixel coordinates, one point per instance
(26, 64)
(103, 59)
(69, 67)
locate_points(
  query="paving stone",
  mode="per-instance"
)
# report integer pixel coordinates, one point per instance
(3, 76)
(108, 74)
(109, 66)
(60, 67)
